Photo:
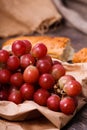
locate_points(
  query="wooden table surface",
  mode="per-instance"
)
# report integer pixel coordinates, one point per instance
(79, 40)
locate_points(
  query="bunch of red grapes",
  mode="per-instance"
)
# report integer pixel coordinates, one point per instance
(29, 73)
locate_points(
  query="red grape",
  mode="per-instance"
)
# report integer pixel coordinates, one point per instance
(53, 102)
(47, 57)
(46, 81)
(27, 91)
(57, 71)
(28, 45)
(12, 88)
(44, 66)
(4, 55)
(3, 95)
(31, 74)
(64, 79)
(41, 96)
(18, 47)
(67, 105)
(13, 63)
(26, 60)
(72, 88)
(15, 96)
(39, 50)
(16, 79)
(4, 76)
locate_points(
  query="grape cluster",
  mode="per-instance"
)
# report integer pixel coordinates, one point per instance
(29, 73)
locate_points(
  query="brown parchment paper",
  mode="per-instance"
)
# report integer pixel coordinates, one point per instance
(30, 110)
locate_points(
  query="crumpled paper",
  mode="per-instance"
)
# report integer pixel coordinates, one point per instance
(30, 110)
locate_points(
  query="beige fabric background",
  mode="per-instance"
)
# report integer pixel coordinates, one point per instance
(23, 17)
(19, 17)
(74, 12)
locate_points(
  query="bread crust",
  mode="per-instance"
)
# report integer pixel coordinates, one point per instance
(56, 45)
(80, 56)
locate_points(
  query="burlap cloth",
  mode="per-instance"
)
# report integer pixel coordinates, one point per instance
(19, 17)
(23, 17)
(74, 12)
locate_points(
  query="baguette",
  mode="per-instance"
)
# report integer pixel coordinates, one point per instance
(58, 47)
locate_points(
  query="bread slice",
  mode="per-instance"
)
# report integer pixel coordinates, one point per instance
(58, 47)
(80, 56)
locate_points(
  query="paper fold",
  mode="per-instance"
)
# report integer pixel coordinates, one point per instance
(29, 109)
